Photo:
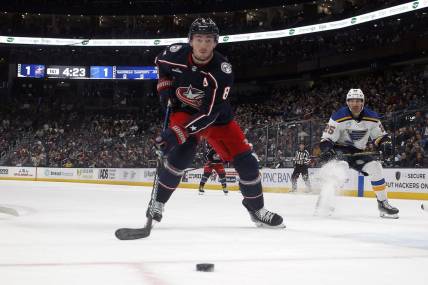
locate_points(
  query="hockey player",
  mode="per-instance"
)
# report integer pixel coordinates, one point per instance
(301, 163)
(198, 80)
(213, 162)
(347, 132)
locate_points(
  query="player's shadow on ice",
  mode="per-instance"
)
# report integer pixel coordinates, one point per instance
(8, 211)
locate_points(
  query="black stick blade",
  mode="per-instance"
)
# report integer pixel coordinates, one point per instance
(130, 234)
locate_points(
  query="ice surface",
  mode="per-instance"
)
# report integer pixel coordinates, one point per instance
(65, 235)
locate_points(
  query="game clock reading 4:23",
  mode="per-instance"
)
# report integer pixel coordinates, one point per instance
(59, 71)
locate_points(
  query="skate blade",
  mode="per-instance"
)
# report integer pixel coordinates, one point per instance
(201, 193)
(386, 216)
(264, 226)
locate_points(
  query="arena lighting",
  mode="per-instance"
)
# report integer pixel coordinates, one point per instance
(352, 21)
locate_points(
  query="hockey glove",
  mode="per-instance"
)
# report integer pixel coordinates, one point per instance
(327, 155)
(327, 151)
(170, 138)
(165, 90)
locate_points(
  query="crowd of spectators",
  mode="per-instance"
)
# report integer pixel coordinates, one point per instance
(386, 92)
(158, 26)
(88, 130)
(359, 40)
(382, 33)
(65, 130)
(298, 113)
(412, 141)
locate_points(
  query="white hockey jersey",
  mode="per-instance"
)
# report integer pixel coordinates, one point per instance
(343, 130)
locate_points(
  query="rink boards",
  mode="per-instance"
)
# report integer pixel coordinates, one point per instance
(403, 183)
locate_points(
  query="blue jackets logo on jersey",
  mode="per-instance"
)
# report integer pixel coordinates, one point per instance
(190, 96)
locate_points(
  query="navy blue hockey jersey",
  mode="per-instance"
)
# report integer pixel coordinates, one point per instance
(202, 91)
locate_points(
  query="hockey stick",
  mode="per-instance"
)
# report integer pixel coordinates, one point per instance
(360, 153)
(10, 211)
(190, 169)
(137, 233)
(340, 155)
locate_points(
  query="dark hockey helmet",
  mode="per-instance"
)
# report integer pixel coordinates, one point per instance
(203, 26)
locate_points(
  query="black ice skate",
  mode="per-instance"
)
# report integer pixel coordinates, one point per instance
(386, 210)
(201, 190)
(158, 208)
(225, 191)
(264, 218)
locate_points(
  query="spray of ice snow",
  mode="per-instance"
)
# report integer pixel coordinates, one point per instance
(331, 177)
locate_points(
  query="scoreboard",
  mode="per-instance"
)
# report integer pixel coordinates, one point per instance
(136, 72)
(85, 72)
(60, 71)
(101, 72)
(31, 70)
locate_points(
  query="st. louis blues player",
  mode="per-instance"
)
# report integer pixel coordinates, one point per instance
(348, 132)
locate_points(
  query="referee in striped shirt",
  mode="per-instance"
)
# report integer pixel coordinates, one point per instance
(301, 163)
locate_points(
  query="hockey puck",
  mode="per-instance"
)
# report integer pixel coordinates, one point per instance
(206, 267)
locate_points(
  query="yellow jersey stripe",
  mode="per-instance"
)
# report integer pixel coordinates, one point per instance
(343, 119)
(370, 119)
